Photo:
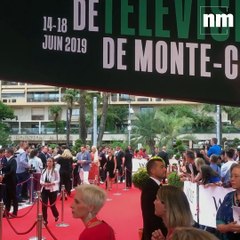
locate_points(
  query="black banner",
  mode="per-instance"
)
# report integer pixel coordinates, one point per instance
(177, 49)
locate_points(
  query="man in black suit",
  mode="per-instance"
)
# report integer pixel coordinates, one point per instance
(120, 162)
(9, 178)
(164, 155)
(157, 171)
(43, 155)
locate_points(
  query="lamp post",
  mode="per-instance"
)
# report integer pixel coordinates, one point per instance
(219, 124)
(68, 126)
(129, 122)
(94, 121)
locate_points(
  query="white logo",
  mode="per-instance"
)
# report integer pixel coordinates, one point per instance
(218, 20)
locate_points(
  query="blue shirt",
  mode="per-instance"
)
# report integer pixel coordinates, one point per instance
(215, 149)
(22, 161)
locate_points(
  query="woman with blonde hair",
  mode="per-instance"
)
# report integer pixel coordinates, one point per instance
(199, 162)
(93, 176)
(65, 161)
(172, 206)
(190, 233)
(88, 201)
(110, 168)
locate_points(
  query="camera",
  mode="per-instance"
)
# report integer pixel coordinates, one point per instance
(32, 169)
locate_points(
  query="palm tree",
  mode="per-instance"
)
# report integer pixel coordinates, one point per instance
(82, 118)
(145, 129)
(56, 112)
(103, 118)
(233, 114)
(70, 97)
(158, 126)
(116, 117)
(170, 126)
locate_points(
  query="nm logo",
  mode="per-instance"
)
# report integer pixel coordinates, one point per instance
(214, 17)
(218, 20)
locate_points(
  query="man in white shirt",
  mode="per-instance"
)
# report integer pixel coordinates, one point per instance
(225, 169)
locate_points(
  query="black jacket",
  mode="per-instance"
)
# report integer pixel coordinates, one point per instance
(150, 221)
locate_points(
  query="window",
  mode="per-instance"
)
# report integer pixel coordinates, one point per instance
(143, 99)
(13, 93)
(75, 112)
(43, 97)
(37, 113)
(113, 97)
(146, 109)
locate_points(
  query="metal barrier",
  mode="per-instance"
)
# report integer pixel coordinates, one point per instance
(62, 224)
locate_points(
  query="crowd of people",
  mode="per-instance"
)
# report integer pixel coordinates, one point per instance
(165, 209)
(208, 166)
(53, 168)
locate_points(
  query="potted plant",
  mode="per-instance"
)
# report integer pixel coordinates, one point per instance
(139, 178)
(174, 179)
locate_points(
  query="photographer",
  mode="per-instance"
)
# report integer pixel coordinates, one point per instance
(50, 186)
(213, 149)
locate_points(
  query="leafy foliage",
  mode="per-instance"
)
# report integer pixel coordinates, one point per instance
(5, 139)
(139, 178)
(178, 111)
(114, 144)
(174, 180)
(116, 117)
(76, 147)
(6, 112)
(233, 114)
(146, 129)
(171, 126)
(60, 126)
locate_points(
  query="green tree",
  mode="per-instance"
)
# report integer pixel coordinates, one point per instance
(116, 118)
(202, 122)
(77, 146)
(200, 119)
(161, 126)
(5, 113)
(5, 135)
(55, 111)
(145, 129)
(233, 114)
(82, 117)
(209, 108)
(178, 111)
(103, 120)
(170, 126)
(70, 97)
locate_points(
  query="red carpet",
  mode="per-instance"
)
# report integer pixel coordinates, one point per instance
(122, 212)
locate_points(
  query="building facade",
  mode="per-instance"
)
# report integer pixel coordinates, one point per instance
(31, 104)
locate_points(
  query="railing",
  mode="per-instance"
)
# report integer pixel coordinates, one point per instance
(48, 131)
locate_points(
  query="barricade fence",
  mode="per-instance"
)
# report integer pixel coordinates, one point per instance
(38, 223)
(205, 201)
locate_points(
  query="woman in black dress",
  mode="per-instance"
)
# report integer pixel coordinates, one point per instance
(110, 168)
(65, 161)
